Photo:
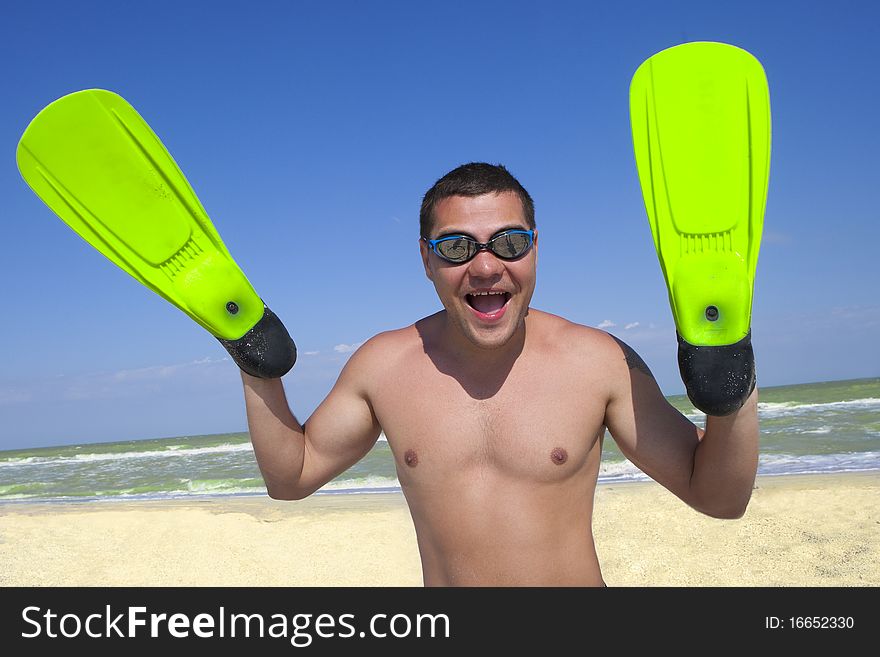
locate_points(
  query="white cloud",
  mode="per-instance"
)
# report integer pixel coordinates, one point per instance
(606, 323)
(346, 348)
(864, 315)
(135, 383)
(162, 371)
(311, 353)
(630, 326)
(141, 381)
(146, 373)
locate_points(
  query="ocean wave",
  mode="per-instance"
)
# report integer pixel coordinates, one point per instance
(21, 460)
(211, 486)
(774, 409)
(768, 410)
(768, 464)
(173, 451)
(362, 483)
(617, 471)
(818, 463)
(29, 489)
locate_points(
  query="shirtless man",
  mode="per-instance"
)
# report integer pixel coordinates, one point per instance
(496, 412)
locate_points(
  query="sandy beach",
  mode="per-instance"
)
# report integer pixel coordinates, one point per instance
(799, 530)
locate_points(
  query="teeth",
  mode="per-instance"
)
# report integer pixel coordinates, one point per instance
(484, 294)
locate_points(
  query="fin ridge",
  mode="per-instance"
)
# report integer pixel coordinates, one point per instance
(182, 259)
(696, 243)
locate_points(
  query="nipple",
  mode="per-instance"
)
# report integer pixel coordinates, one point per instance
(558, 455)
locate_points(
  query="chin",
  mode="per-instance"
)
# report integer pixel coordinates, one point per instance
(488, 342)
(489, 337)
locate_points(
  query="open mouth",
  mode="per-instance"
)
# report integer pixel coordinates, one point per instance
(488, 304)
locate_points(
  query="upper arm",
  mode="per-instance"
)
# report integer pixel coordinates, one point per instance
(650, 432)
(343, 428)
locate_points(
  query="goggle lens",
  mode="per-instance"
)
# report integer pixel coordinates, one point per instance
(507, 246)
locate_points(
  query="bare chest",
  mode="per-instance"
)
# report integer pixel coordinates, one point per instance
(537, 424)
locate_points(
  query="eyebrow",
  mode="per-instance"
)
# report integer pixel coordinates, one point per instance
(453, 233)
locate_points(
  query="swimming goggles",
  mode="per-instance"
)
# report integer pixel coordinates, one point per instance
(458, 249)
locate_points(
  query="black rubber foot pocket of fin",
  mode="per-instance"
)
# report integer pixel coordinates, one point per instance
(719, 380)
(266, 351)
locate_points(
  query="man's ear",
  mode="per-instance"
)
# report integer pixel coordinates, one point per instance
(425, 252)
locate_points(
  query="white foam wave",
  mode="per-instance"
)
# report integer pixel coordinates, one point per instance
(818, 463)
(610, 471)
(769, 464)
(24, 460)
(173, 451)
(775, 409)
(697, 417)
(224, 487)
(370, 481)
(133, 494)
(209, 487)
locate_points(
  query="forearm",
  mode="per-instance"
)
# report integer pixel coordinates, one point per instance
(277, 437)
(726, 461)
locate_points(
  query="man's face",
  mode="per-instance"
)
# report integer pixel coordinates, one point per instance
(487, 321)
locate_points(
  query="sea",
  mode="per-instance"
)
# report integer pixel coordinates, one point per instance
(808, 428)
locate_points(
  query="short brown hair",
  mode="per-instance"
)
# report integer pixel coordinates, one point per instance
(473, 179)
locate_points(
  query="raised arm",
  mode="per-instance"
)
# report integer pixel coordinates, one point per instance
(296, 460)
(712, 470)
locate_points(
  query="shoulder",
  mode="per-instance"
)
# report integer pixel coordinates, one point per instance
(592, 349)
(384, 349)
(555, 332)
(372, 361)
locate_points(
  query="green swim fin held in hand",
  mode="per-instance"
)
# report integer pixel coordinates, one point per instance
(98, 165)
(701, 132)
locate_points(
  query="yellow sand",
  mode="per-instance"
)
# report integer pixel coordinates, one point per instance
(821, 530)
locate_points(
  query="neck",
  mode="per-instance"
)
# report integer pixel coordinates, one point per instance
(471, 358)
(481, 372)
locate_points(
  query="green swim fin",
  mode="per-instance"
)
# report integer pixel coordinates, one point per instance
(701, 131)
(97, 164)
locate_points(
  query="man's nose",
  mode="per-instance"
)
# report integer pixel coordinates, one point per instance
(485, 264)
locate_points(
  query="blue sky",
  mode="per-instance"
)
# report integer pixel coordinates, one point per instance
(310, 131)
